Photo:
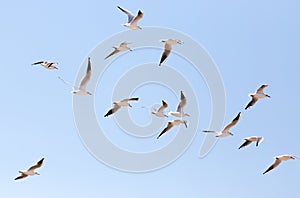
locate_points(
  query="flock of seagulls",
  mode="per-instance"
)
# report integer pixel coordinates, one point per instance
(132, 24)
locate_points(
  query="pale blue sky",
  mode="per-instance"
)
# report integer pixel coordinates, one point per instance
(252, 42)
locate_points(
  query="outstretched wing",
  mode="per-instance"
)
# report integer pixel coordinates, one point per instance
(246, 143)
(182, 103)
(261, 89)
(112, 110)
(252, 102)
(21, 176)
(66, 82)
(129, 14)
(37, 63)
(87, 77)
(37, 165)
(168, 127)
(163, 107)
(274, 165)
(112, 53)
(129, 99)
(137, 18)
(233, 122)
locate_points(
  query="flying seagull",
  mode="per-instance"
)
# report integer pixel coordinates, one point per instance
(249, 140)
(225, 132)
(179, 112)
(160, 111)
(117, 49)
(278, 160)
(257, 95)
(31, 170)
(132, 20)
(83, 83)
(171, 124)
(47, 65)
(168, 48)
(118, 105)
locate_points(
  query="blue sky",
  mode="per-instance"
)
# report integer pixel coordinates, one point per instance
(251, 42)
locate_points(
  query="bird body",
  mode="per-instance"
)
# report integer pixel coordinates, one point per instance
(47, 65)
(160, 111)
(249, 140)
(170, 124)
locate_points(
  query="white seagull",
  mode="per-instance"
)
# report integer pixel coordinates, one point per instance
(47, 65)
(171, 124)
(83, 83)
(225, 132)
(278, 160)
(160, 111)
(31, 170)
(168, 48)
(255, 96)
(179, 112)
(249, 140)
(117, 49)
(118, 105)
(132, 20)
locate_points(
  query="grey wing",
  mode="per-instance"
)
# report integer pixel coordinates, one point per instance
(112, 110)
(261, 89)
(37, 165)
(169, 126)
(87, 77)
(274, 165)
(129, 99)
(67, 83)
(182, 103)
(112, 53)
(137, 18)
(233, 122)
(21, 176)
(163, 107)
(124, 44)
(164, 56)
(37, 63)
(251, 103)
(208, 131)
(129, 14)
(246, 143)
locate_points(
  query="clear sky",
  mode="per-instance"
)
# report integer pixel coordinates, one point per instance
(251, 42)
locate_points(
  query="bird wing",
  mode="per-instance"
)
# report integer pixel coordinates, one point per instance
(246, 143)
(137, 18)
(37, 63)
(252, 102)
(21, 176)
(112, 53)
(182, 103)
(87, 77)
(274, 165)
(129, 14)
(168, 127)
(163, 107)
(112, 110)
(233, 122)
(37, 165)
(129, 99)
(67, 83)
(208, 131)
(261, 89)
(259, 140)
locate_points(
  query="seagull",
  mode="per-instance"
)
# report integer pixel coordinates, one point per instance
(132, 20)
(225, 132)
(255, 96)
(171, 124)
(179, 112)
(121, 47)
(47, 65)
(83, 83)
(168, 48)
(249, 140)
(118, 105)
(31, 170)
(278, 160)
(160, 111)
